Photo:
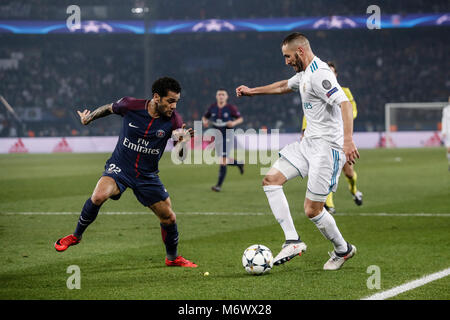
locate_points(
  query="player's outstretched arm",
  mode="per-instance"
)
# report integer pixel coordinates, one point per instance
(350, 150)
(279, 87)
(87, 116)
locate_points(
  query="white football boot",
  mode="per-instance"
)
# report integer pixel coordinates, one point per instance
(358, 198)
(335, 262)
(289, 250)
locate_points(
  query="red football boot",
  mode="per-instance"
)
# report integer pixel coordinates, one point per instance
(63, 243)
(180, 262)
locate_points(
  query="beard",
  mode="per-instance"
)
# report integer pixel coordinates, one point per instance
(298, 66)
(164, 111)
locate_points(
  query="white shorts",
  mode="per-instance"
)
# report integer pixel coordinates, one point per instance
(316, 159)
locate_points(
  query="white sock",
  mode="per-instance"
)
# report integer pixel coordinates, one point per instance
(327, 226)
(280, 209)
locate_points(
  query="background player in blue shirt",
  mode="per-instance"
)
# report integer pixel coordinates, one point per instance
(147, 126)
(223, 116)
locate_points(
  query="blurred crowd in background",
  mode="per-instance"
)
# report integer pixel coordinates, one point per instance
(56, 74)
(210, 9)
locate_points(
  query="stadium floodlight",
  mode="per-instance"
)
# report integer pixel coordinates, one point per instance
(415, 116)
(139, 10)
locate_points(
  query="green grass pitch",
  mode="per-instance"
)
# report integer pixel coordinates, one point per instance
(122, 256)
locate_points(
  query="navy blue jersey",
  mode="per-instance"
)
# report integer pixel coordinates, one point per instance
(142, 138)
(220, 116)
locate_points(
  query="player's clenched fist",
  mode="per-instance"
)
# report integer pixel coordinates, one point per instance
(243, 91)
(182, 134)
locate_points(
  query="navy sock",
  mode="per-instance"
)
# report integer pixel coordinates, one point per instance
(169, 233)
(87, 216)
(222, 174)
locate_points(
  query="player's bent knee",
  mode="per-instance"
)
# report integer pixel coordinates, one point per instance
(98, 198)
(310, 212)
(269, 181)
(163, 210)
(168, 219)
(271, 178)
(313, 208)
(266, 181)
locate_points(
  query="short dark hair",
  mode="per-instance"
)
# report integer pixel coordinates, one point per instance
(163, 85)
(222, 89)
(332, 64)
(294, 36)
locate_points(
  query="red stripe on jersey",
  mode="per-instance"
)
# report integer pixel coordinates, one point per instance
(148, 128)
(163, 234)
(136, 164)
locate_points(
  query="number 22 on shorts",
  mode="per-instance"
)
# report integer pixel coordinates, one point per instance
(114, 168)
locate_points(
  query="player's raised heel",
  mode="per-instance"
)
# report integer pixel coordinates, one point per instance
(335, 262)
(64, 243)
(180, 262)
(289, 251)
(358, 198)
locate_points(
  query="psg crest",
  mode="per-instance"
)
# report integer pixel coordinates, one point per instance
(160, 133)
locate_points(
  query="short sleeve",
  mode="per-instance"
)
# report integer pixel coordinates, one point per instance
(235, 112)
(327, 88)
(177, 121)
(125, 104)
(207, 114)
(294, 82)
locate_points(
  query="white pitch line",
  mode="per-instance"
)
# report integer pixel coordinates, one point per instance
(409, 286)
(376, 214)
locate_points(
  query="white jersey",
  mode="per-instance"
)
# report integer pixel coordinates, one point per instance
(321, 97)
(446, 120)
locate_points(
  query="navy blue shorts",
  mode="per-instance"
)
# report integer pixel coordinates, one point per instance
(224, 145)
(148, 190)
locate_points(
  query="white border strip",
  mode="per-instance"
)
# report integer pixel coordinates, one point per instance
(409, 286)
(375, 214)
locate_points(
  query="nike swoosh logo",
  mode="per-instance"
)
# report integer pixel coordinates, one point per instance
(132, 125)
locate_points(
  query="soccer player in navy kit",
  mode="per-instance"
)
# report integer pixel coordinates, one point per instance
(223, 116)
(147, 126)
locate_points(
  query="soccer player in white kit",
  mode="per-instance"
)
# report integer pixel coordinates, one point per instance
(446, 130)
(327, 144)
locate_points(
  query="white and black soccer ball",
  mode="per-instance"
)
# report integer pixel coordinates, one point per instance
(257, 259)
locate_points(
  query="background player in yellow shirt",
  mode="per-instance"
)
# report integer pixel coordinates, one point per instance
(349, 172)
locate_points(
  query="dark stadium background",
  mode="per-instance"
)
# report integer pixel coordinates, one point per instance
(402, 227)
(62, 73)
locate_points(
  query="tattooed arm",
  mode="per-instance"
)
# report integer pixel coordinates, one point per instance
(87, 116)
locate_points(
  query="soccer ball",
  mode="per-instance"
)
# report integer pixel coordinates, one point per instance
(257, 259)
